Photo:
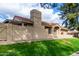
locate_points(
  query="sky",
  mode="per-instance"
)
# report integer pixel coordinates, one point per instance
(9, 10)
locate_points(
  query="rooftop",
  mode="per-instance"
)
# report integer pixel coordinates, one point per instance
(28, 21)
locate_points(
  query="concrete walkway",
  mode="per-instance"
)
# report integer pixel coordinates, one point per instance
(75, 54)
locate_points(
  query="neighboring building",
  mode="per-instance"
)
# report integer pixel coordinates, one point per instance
(74, 33)
(21, 28)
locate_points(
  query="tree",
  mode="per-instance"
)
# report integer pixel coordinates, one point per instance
(70, 14)
(48, 5)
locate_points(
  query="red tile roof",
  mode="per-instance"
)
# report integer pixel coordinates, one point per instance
(23, 19)
(30, 21)
(26, 20)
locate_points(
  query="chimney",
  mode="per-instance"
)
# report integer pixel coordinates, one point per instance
(36, 17)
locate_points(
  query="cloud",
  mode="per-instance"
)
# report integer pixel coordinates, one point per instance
(9, 10)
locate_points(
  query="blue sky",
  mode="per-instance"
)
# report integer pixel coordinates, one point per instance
(9, 10)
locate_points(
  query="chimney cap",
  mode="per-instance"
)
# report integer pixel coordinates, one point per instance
(35, 11)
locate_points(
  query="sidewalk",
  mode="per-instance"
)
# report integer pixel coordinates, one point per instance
(75, 54)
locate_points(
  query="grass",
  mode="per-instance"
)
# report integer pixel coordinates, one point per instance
(41, 48)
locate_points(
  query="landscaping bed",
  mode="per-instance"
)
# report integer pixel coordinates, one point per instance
(62, 47)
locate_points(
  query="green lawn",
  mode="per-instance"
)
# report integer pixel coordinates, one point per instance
(41, 48)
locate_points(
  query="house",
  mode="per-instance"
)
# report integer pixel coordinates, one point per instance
(20, 28)
(74, 33)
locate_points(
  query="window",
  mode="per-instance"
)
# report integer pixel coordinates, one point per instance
(61, 33)
(49, 30)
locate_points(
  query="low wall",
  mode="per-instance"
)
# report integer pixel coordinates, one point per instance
(11, 33)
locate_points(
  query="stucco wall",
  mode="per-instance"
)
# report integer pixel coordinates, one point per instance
(16, 33)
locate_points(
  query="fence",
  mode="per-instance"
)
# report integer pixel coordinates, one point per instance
(10, 32)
